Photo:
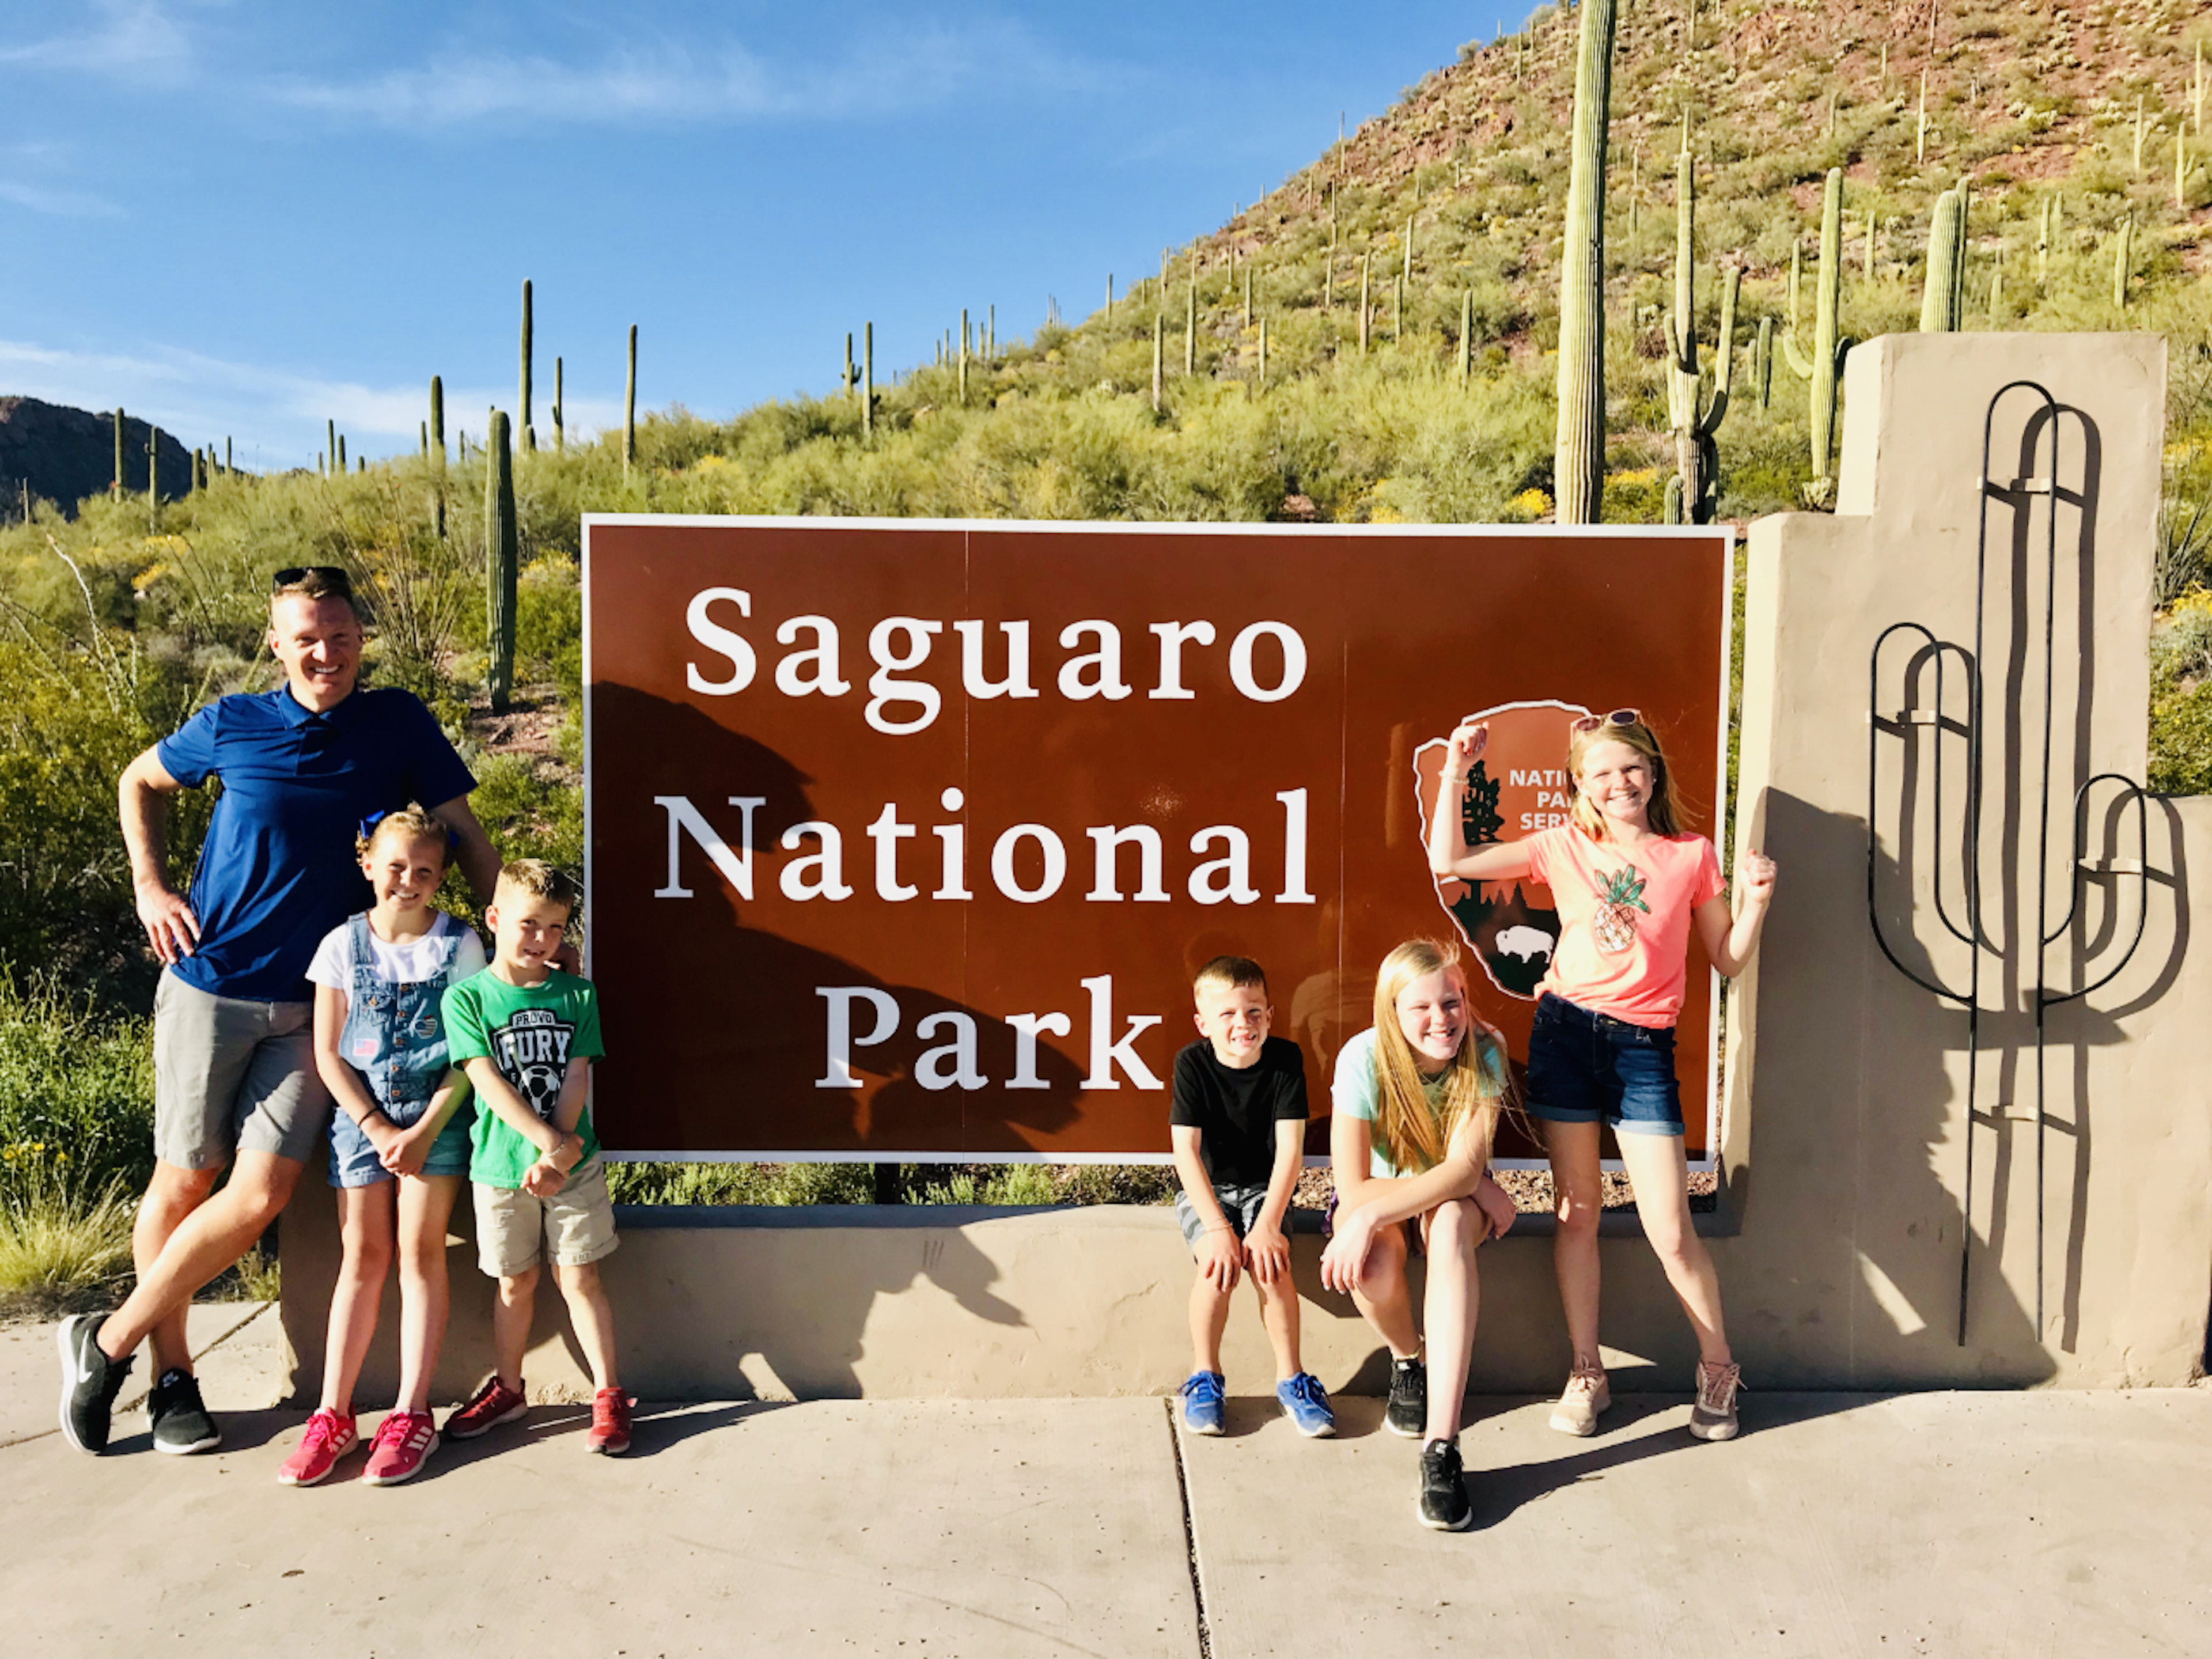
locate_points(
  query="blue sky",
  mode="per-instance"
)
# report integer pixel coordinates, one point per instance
(240, 219)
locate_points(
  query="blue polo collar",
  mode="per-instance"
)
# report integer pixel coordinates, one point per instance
(296, 713)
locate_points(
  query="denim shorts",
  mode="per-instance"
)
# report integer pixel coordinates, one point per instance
(1242, 1204)
(354, 1162)
(1587, 1067)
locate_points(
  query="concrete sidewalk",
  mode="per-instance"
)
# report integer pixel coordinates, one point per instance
(1939, 1524)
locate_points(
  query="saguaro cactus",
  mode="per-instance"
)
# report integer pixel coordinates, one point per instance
(1822, 368)
(1697, 461)
(963, 353)
(1159, 351)
(560, 409)
(118, 485)
(154, 471)
(868, 381)
(502, 555)
(629, 409)
(1942, 291)
(2124, 258)
(1466, 336)
(437, 456)
(1261, 382)
(529, 436)
(1365, 308)
(1578, 449)
(1190, 324)
(331, 447)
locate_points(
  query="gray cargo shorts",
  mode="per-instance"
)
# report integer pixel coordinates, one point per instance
(232, 1076)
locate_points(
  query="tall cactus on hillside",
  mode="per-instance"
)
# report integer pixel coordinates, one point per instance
(502, 555)
(331, 447)
(1822, 369)
(154, 473)
(560, 409)
(1190, 324)
(1696, 459)
(116, 487)
(1160, 356)
(1364, 307)
(2123, 260)
(1943, 289)
(529, 437)
(1465, 334)
(437, 456)
(868, 381)
(1578, 448)
(629, 409)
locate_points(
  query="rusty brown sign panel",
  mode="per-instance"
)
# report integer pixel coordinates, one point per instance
(906, 838)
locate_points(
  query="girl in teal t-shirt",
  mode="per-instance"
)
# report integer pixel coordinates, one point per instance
(1414, 1108)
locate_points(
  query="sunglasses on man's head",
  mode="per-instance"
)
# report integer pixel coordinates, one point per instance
(1583, 723)
(331, 576)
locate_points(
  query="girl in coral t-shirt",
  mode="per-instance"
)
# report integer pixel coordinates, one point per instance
(1629, 883)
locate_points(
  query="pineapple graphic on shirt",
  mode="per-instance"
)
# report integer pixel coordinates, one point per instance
(1614, 925)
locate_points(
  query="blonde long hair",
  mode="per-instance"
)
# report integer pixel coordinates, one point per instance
(1413, 1136)
(1665, 814)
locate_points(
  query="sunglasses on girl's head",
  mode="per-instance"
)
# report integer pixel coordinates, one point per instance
(1583, 723)
(331, 576)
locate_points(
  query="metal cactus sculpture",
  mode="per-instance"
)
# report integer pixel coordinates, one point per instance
(1943, 292)
(1579, 448)
(1822, 368)
(1697, 462)
(502, 553)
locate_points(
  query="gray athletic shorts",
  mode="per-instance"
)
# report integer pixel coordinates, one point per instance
(232, 1075)
(1240, 1205)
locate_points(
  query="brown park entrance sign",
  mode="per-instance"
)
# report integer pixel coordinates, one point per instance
(906, 837)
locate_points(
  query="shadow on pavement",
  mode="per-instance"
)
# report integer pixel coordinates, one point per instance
(1497, 1493)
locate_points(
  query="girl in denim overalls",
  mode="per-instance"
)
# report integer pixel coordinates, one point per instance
(399, 1139)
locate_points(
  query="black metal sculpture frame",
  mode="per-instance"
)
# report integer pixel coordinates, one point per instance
(1905, 724)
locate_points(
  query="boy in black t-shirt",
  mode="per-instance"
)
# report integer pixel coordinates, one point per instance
(1239, 1124)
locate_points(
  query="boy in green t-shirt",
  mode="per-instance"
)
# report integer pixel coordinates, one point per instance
(526, 1034)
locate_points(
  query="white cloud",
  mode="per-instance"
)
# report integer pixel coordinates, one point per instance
(135, 40)
(64, 204)
(902, 71)
(276, 416)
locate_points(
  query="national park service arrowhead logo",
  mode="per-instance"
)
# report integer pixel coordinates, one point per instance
(1520, 786)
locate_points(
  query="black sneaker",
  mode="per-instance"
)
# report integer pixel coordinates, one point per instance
(1444, 1489)
(90, 1382)
(1407, 1413)
(181, 1422)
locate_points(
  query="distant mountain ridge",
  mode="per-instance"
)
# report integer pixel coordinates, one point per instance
(63, 455)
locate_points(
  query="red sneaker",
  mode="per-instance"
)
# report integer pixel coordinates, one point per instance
(494, 1403)
(609, 1423)
(404, 1441)
(329, 1437)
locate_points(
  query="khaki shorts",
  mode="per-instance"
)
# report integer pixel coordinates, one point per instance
(575, 1226)
(232, 1076)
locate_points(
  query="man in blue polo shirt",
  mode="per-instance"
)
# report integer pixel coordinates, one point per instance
(235, 1082)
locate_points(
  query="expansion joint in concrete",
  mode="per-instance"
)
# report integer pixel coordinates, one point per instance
(1189, 1535)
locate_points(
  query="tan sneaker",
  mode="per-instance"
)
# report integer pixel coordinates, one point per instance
(1713, 1418)
(1586, 1396)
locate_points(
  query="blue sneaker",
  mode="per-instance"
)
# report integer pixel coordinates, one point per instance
(1202, 1402)
(1305, 1402)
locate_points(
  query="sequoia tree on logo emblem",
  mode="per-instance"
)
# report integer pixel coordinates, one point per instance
(1520, 786)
